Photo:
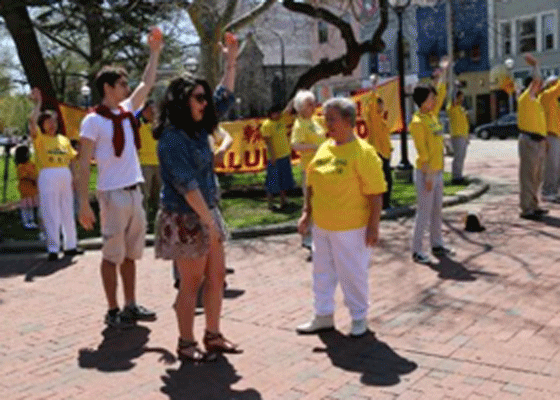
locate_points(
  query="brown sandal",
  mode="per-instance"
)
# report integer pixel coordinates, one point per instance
(197, 355)
(217, 343)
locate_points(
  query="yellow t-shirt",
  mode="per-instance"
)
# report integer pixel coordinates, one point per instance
(277, 131)
(458, 121)
(307, 131)
(428, 140)
(53, 151)
(341, 178)
(379, 133)
(549, 101)
(147, 153)
(530, 114)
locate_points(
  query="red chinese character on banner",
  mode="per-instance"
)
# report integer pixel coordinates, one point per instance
(251, 134)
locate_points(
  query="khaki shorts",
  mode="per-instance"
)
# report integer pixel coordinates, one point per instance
(123, 224)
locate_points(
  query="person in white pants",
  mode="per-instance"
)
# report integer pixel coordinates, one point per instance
(345, 185)
(428, 140)
(54, 155)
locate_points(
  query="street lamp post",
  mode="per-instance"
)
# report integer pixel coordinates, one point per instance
(86, 93)
(282, 64)
(509, 65)
(404, 166)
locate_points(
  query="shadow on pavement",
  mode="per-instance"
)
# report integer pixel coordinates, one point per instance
(32, 267)
(118, 350)
(451, 269)
(206, 381)
(551, 221)
(378, 363)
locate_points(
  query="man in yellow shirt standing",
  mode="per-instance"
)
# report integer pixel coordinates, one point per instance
(279, 176)
(551, 106)
(531, 121)
(379, 135)
(459, 126)
(428, 175)
(147, 154)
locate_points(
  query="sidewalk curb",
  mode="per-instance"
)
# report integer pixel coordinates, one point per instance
(476, 188)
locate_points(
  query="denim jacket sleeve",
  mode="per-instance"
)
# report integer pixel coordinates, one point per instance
(223, 99)
(176, 164)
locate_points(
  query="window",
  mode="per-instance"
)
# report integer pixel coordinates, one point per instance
(527, 35)
(323, 31)
(505, 30)
(548, 28)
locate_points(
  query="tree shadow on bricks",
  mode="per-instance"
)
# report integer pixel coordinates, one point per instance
(119, 348)
(205, 381)
(378, 363)
(32, 266)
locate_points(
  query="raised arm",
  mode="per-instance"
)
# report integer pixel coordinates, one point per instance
(230, 50)
(139, 95)
(33, 118)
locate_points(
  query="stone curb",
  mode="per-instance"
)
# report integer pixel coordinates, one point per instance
(476, 188)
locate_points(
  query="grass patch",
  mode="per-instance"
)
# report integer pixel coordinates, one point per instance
(250, 209)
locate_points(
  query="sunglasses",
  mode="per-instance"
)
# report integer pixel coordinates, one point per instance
(200, 97)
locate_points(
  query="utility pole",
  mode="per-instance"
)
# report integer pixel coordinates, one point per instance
(450, 37)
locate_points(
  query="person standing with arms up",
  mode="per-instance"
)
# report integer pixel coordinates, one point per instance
(551, 106)
(110, 135)
(459, 126)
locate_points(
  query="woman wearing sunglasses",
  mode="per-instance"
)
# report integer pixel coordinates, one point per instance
(188, 228)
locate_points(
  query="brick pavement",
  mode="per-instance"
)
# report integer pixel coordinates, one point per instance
(483, 325)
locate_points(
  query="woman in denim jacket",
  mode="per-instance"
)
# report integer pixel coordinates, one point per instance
(188, 227)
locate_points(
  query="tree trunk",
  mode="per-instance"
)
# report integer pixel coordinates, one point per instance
(21, 29)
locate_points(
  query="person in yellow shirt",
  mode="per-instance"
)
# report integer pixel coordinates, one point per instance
(307, 135)
(279, 178)
(380, 137)
(531, 122)
(27, 187)
(459, 126)
(427, 134)
(344, 197)
(56, 156)
(147, 155)
(551, 106)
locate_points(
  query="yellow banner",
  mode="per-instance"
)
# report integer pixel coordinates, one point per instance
(248, 152)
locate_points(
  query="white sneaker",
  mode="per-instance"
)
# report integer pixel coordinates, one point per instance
(320, 323)
(359, 328)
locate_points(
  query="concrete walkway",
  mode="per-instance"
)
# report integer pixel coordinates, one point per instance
(482, 325)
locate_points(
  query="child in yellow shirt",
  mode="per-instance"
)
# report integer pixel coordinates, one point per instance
(27, 186)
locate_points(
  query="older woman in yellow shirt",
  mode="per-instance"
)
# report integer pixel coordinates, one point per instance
(428, 176)
(307, 135)
(344, 196)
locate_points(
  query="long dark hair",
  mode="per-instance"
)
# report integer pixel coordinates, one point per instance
(174, 109)
(22, 154)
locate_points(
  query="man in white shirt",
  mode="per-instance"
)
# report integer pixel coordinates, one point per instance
(110, 135)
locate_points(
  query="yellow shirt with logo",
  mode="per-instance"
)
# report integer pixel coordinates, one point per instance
(530, 114)
(53, 151)
(307, 131)
(458, 120)
(277, 131)
(379, 134)
(341, 177)
(551, 106)
(147, 153)
(428, 140)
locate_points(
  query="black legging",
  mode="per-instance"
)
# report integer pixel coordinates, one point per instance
(388, 179)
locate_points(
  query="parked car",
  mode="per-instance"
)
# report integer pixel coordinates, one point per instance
(503, 127)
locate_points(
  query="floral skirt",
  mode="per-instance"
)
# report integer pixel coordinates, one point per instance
(180, 235)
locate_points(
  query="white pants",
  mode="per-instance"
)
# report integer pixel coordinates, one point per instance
(551, 166)
(459, 152)
(340, 256)
(428, 210)
(56, 201)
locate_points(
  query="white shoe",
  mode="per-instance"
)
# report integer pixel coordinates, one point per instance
(320, 323)
(359, 328)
